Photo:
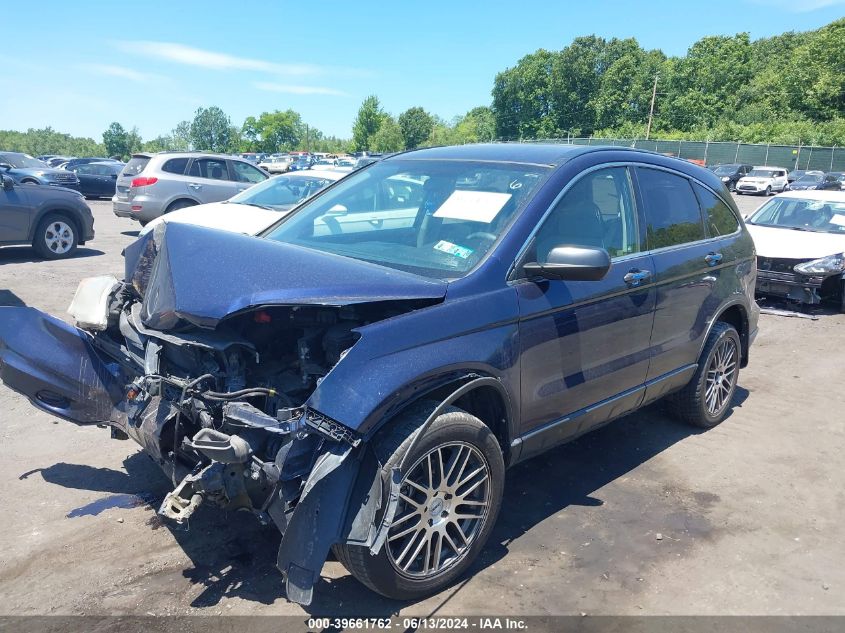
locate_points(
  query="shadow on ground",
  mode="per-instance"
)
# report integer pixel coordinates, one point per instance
(27, 254)
(234, 556)
(9, 298)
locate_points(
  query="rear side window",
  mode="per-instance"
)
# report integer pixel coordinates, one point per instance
(135, 165)
(175, 166)
(672, 213)
(719, 217)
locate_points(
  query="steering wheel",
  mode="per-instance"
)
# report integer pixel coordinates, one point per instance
(482, 235)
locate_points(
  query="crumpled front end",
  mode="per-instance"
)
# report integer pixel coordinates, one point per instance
(220, 400)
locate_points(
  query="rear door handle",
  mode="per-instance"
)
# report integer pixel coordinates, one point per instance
(713, 258)
(195, 186)
(635, 276)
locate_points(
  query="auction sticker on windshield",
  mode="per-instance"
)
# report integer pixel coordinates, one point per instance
(473, 206)
(453, 249)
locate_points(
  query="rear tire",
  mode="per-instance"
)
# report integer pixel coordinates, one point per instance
(423, 553)
(706, 399)
(180, 204)
(56, 237)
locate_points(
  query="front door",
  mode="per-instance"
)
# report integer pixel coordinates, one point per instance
(15, 215)
(585, 344)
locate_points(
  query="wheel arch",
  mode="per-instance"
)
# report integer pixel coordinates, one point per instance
(192, 202)
(478, 393)
(66, 212)
(734, 314)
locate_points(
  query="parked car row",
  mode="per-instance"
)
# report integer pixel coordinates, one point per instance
(741, 178)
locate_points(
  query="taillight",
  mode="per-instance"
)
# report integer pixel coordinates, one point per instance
(143, 181)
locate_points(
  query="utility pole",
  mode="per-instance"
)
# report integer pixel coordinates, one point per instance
(307, 143)
(651, 109)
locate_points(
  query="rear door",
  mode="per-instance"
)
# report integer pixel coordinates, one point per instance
(87, 181)
(585, 344)
(208, 180)
(688, 268)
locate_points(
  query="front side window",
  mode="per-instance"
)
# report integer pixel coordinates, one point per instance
(433, 218)
(83, 169)
(247, 173)
(719, 217)
(672, 213)
(211, 168)
(598, 210)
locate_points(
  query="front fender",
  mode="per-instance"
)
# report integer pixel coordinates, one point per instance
(397, 360)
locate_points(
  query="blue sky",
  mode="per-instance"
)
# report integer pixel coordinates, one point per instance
(84, 64)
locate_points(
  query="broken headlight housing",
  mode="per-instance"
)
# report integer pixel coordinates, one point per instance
(822, 266)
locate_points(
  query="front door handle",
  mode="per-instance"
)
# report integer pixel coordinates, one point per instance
(195, 186)
(636, 277)
(713, 258)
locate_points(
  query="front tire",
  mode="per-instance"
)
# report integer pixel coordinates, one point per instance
(56, 237)
(768, 191)
(706, 399)
(450, 497)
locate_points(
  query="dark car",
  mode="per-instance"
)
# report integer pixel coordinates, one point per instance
(731, 173)
(25, 169)
(73, 162)
(301, 163)
(817, 180)
(795, 174)
(409, 344)
(840, 177)
(98, 180)
(54, 220)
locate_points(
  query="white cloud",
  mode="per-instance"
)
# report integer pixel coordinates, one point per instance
(297, 90)
(118, 71)
(190, 56)
(799, 6)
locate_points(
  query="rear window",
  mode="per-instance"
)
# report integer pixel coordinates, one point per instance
(135, 165)
(175, 166)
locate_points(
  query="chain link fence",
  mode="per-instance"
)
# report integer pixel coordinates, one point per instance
(718, 152)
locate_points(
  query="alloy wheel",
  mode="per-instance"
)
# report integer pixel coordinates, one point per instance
(721, 376)
(444, 503)
(58, 237)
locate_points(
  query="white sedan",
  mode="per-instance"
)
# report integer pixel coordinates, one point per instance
(800, 241)
(255, 209)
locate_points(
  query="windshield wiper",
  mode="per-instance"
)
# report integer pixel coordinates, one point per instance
(254, 204)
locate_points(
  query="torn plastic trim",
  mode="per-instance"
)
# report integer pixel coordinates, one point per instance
(318, 520)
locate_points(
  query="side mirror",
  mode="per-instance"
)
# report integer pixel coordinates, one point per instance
(8, 183)
(114, 176)
(572, 263)
(5, 166)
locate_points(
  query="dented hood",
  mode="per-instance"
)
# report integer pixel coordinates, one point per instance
(193, 274)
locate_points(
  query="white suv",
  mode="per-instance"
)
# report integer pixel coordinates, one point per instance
(151, 185)
(765, 180)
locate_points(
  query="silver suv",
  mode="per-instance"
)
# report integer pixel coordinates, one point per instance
(154, 184)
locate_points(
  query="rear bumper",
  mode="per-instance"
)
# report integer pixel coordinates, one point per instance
(121, 207)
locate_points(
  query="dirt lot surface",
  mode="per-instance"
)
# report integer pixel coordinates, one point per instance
(643, 516)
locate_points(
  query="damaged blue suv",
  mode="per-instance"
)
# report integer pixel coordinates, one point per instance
(362, 373)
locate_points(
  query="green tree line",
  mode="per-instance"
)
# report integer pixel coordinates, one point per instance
(780, 89)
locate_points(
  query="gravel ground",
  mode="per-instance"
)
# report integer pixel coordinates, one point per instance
(643, 516)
